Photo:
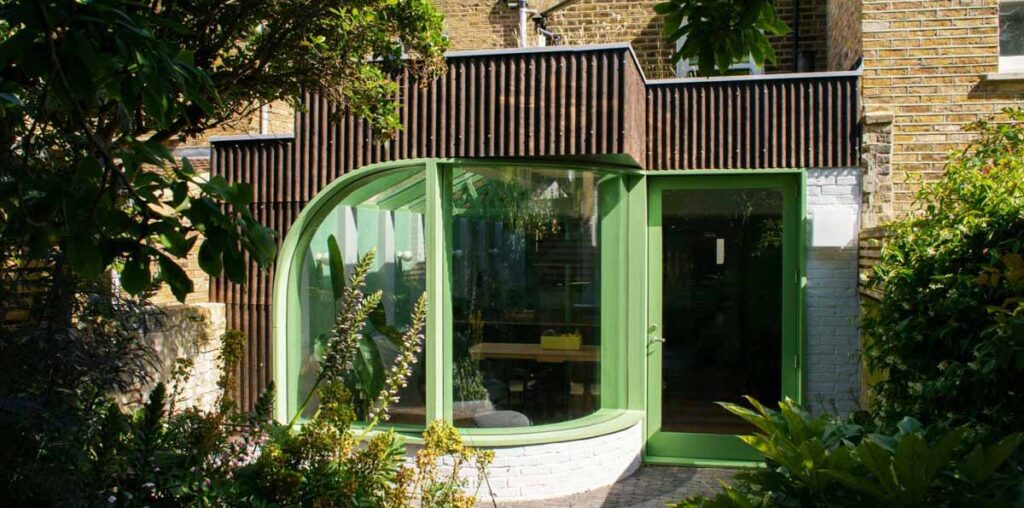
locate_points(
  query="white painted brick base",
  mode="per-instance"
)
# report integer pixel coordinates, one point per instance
(832, 337)
(559, 469)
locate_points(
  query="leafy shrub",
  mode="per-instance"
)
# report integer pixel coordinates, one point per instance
(152, 457)
(948, 335)
(822, 461)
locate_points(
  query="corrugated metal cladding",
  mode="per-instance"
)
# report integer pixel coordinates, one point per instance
(800, 122)
(562, 102)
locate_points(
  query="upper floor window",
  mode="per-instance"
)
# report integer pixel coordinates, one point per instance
(686, 68)
(1011, 35)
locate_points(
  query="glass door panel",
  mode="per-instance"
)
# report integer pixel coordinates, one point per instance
(721, 308)
(721, 305)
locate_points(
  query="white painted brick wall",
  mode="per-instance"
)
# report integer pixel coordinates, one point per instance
(832, 338)
(558, 469)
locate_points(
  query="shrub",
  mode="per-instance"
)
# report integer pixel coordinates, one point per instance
(822, 461)
(150, 456)
(947, 337)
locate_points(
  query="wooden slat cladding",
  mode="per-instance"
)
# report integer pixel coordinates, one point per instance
(541, 104)
(267, 164)
(798, 122)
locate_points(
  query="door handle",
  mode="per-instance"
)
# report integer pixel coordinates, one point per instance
(652, 335)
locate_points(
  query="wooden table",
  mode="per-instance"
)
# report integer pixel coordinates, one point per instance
(516, 351)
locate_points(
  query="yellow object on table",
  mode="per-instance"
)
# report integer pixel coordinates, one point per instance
(564, 342)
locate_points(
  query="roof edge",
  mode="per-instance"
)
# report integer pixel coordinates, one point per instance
(759, 77)
(251, 137)
(610, 46)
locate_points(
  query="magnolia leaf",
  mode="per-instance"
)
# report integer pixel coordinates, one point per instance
(135, 276)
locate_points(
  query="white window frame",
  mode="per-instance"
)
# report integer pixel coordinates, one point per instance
(686, 68)
(1013, 63)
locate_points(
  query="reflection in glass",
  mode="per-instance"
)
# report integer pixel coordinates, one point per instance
(526, 294)
(722, 305)
(1011, 28)
(385, 216)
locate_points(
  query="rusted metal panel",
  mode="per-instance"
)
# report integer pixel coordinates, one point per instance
(796, 121)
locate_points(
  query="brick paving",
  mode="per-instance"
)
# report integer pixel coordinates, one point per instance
(649, 487)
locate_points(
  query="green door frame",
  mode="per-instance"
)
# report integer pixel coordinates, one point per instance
(717, 449)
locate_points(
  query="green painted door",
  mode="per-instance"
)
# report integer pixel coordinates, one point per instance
(723, 313)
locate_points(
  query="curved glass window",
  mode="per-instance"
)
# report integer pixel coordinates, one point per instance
(385, 216)
(521, 264)
(526, 295)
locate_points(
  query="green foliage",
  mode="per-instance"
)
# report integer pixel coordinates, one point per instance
(947, 336)
(822, 461)
(719, 33)
(91, 93)
(150, 456)
(467, 381)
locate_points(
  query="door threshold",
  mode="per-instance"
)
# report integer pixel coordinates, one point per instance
(655, 460)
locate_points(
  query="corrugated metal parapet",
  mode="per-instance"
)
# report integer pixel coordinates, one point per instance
(781, 121)
(565, 101)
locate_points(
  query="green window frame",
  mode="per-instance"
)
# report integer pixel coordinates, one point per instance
(624, 375)
(622, 360)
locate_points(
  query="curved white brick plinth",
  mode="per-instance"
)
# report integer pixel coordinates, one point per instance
(560, 469)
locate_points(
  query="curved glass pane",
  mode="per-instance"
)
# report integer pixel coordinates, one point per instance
(526, 292)
(386, 216)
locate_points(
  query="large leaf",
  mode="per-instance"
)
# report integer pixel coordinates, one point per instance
(336, 264)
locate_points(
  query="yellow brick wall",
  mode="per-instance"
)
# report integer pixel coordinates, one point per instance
(489, 24)
(925, 63)
(200, 281)
(479, 24)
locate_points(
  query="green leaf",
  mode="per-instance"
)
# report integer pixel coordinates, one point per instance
(135, 276)
(981, 463)
(234, 264)
(175, 277)
(210, 256)
(84, 256)
(175, 243)
(336, 264)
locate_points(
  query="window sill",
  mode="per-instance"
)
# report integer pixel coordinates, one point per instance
(1017, 75)
(602, 422)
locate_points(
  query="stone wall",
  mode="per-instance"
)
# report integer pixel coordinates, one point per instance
(832, 335)
(926, 63)
(191, 332)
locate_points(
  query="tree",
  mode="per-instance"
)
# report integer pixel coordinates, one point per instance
(92, 92)
(719, 33)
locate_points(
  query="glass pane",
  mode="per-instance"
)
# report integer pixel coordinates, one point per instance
(722, 305)
(526, 295)
(1011, 28)
(385, 215)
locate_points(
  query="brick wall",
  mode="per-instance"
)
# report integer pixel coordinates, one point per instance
(924, 64)
(556, 469)
(200, 280)
(832, 339)
(479, 24)
(843, 34)
(813, 40)
(485, 24)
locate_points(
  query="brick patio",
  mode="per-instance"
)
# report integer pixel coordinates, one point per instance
(650, 487)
